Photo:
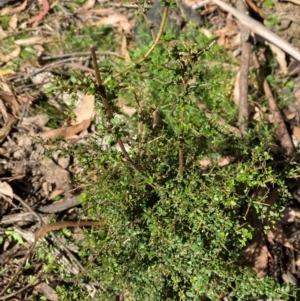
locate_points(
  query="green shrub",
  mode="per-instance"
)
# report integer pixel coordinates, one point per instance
(174, 230)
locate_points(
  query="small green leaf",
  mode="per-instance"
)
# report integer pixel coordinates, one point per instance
(290, 85)
(14, 235)
(268, 3)
(272, 20)
(189, 294)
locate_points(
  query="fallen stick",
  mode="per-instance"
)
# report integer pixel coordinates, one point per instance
(260, 30)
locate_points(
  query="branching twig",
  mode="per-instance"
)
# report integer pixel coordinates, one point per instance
(109, 114)
(221, 122)
(146, 20)
(260, 30)
(181, 143)
(159, 34)
(281, 132)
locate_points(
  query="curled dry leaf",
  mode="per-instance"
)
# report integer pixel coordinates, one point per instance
(5, 130)
(115, 20)
(296, 133)
(85, 108)
(124, 50)
(66, 132)
(3, 34)
(226, 161)
(45, 290)
(13, 22)
(32, 41)
(55, 193)
(280, 57)
(205, 163)
(6, 189)
(3, 110)
(10, 9)
(10, 99)
(4, 58)
(125, 109)
(5, 87)
(88, 4)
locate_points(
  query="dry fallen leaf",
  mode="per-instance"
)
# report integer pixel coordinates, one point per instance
(66, 132)
(296, 133)
(277, 234)
(88, 4)
(226, 161)
(289, 215)
(13, 22)
(32, 41)
(10, 9)
(115, 20)
(97, 12)
(3, 34)
(5, 130)
(55, 193)
(297, 2)
(85, 109)
(6, 189)
(47, 291)
(13, 54)
(5, 87)
(10, 98)
(4, 72)
(280, 57)
(289, 278)
(257, 256)
(225, 33)
(205, 163)
(124, 50)
(125, 109)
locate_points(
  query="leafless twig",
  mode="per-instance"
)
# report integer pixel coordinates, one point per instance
(281, 132)
(244, 70)
(260, 30)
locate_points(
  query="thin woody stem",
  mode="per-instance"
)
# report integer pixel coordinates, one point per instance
(109, 114)
(159, 34)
